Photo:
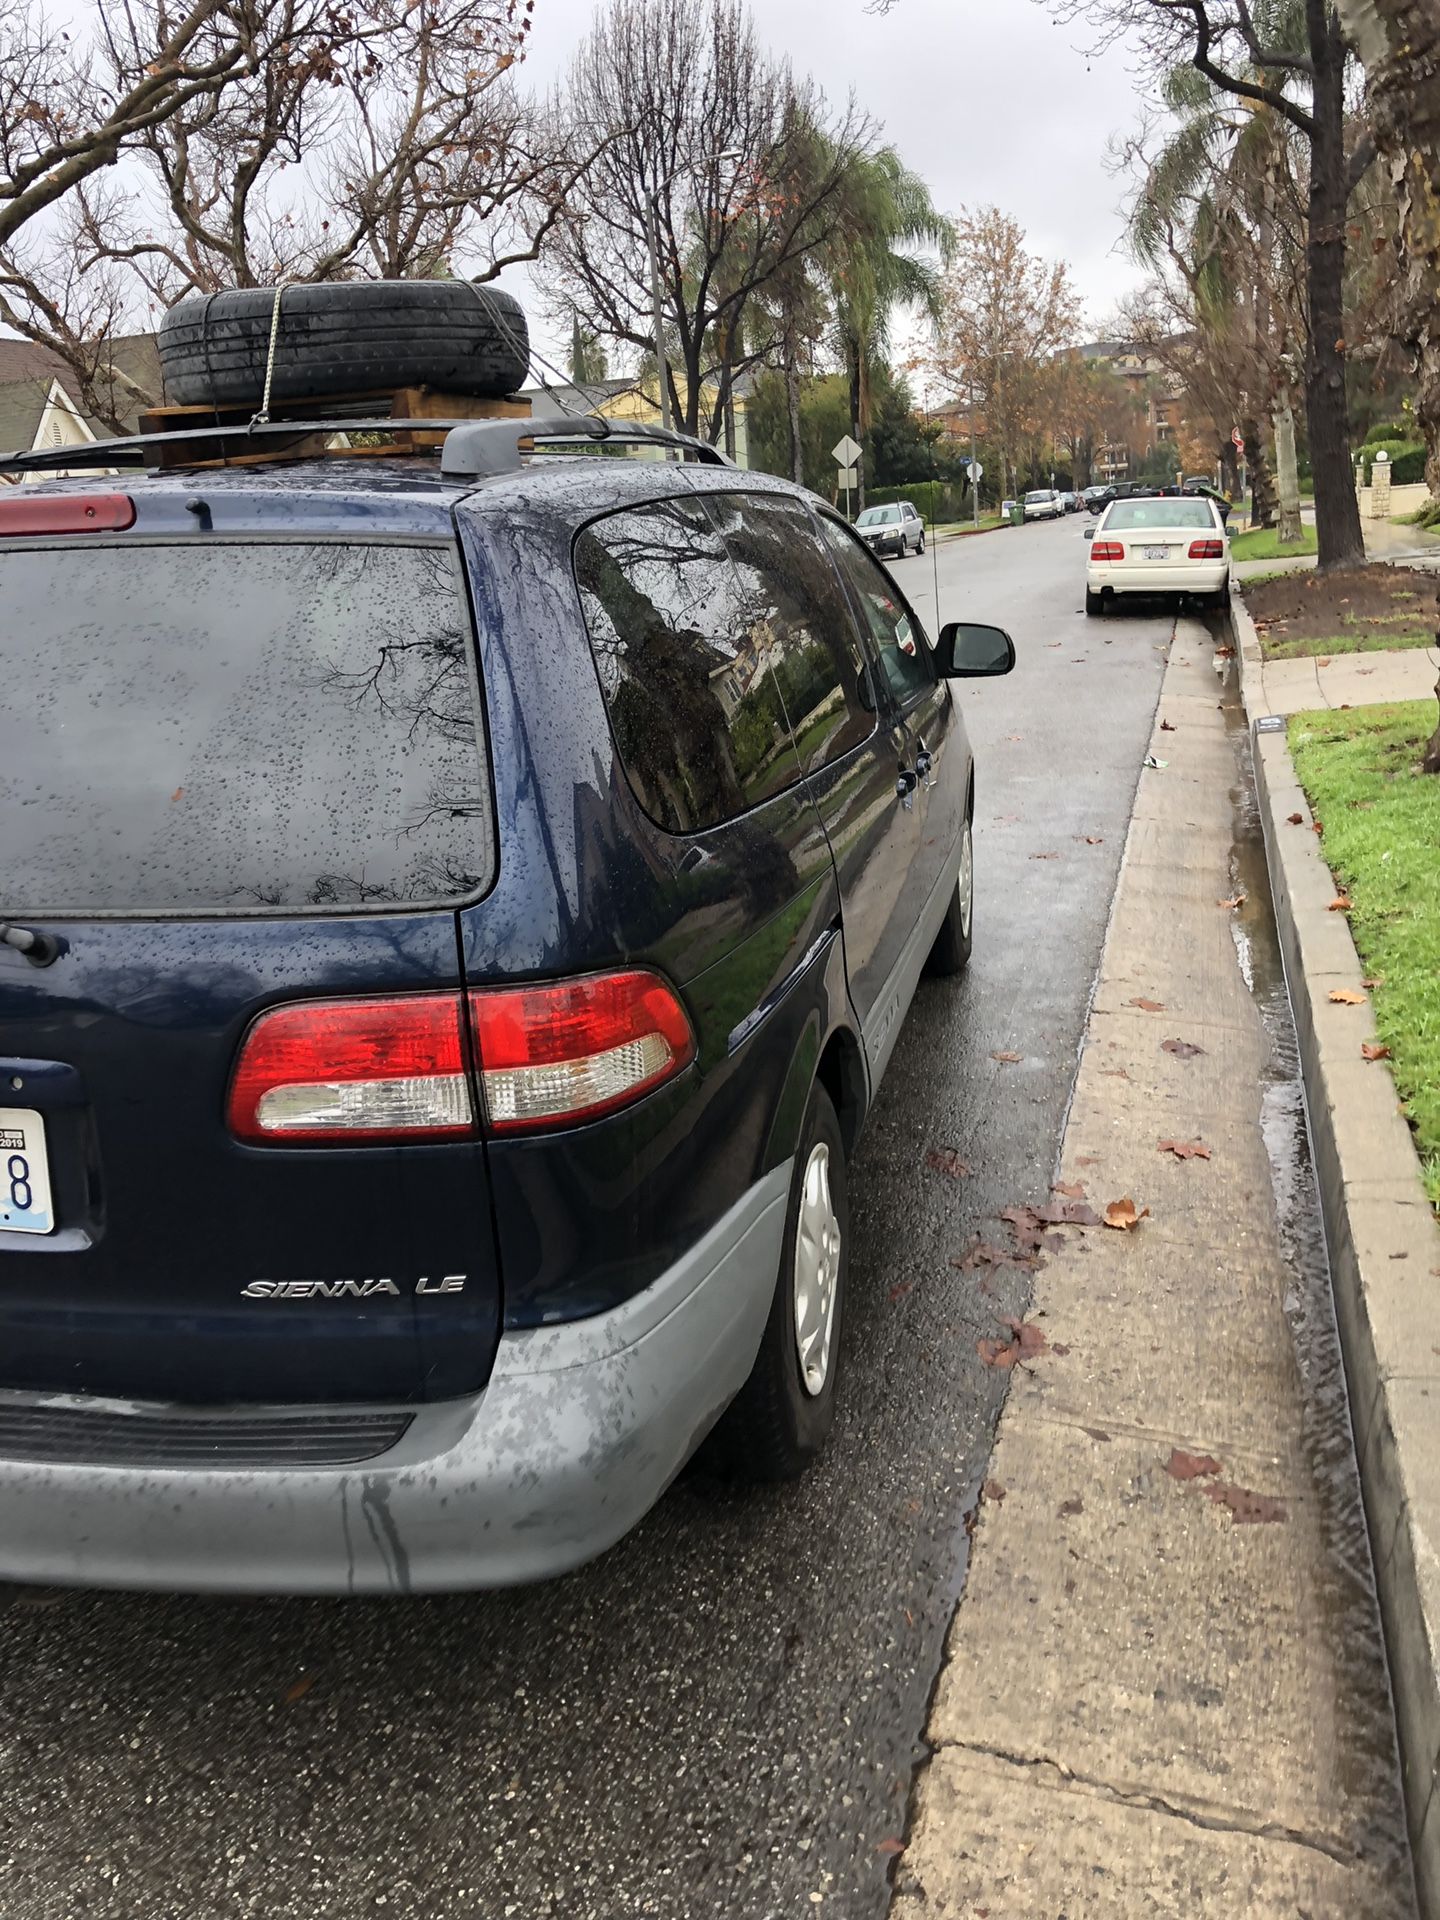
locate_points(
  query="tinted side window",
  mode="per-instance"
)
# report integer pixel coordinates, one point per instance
(903, 649)
(686, 671)
(790, 593)
(241, 725)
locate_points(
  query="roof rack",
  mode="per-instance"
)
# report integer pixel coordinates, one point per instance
(472, 449)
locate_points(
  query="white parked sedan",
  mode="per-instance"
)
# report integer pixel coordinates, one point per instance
(1158, 544)
(1044, 504)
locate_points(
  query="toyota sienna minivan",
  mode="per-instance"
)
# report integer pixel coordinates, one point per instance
(456, 916)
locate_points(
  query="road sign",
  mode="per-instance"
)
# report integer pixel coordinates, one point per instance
(1237, 440)
(845, 452)
(849, 476)
(977, 472)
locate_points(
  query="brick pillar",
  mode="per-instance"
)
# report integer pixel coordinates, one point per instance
(1380, 487)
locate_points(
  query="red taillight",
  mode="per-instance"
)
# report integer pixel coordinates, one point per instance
(1207, 549)
(354, 1071)
(65, 513)
(1107, 550)
(573, 1050)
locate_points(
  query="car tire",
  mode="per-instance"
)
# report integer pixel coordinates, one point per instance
(1094, 604)
(1221, 600)
(956, 939)
(921, 548)
(343, 337)
(779, 1421)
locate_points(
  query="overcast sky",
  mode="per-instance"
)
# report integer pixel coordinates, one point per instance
(989, 100)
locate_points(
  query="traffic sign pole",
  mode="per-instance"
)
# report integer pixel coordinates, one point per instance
(846, 455)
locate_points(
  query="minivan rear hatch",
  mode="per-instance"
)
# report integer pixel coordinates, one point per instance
(237, 774)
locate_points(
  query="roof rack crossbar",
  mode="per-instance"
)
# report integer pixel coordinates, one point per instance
(473, 449)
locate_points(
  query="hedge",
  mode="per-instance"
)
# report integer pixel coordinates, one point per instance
(1407, 461)
(935, 501)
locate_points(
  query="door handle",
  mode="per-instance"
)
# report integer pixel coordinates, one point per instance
(905, 785)
(923, 763)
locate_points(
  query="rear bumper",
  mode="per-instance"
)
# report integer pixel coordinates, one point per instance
(1196, 576)
(578, 1432)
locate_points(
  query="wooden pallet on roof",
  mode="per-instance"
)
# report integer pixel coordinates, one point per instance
(238, 449)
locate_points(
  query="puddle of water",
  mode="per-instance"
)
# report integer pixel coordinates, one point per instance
(1370, 1761)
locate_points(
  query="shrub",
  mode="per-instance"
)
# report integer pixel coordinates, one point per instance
(1407, 461)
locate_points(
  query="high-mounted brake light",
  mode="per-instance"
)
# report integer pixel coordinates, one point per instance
(1207, 549)
(1107, 550)
(22, 512)
(354, 1071)
(562, 1053)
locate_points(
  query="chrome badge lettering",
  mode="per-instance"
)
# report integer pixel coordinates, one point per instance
(346, 1289)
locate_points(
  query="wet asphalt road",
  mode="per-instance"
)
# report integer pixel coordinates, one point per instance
(721, 1716)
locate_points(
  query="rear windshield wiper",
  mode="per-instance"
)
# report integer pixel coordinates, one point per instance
(38, 948)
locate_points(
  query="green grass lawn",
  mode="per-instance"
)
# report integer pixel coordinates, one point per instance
(987, 520)
(1264, 544)
(1360, 772)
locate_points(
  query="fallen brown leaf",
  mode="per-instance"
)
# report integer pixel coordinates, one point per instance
(178, 793)
(899, 1291)
(1347, 996)
(891, 1846)
(1147, 1006)
(1072, 1189)
(1325, 662)
(980, 1253)
(1044, 856)
(1008, 1059)
(1069, 1508)
(1340, 904)
(1165, 727)
(1114, 1073)
(1296, 819)
(947, 1160)
(298, 1689)
(1190, 1466)
(1094, 839)
(1087, 1159)
(1184, 1149)
(1182, 1049)
(1121, 1215)
(1237, 901)
(1248, 1508)
(1377, 981)
(1224, 653)
(1317, 826)
(1026, 1340)
(1373, 1050)
(993, 1491)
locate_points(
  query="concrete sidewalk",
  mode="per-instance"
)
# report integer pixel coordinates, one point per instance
(1165, 1695)
(1348, 679)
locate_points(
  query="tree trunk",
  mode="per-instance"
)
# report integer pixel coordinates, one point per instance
(1287, 470)
(792, 417)
(1262, 485)
(1399, 42)
(1337, 512)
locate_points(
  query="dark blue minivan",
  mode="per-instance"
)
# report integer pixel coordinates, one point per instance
(456, 914)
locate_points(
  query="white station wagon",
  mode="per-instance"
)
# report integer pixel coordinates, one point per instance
(1170, 544)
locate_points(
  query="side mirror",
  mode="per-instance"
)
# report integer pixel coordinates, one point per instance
(1090, 532)
(970, 652)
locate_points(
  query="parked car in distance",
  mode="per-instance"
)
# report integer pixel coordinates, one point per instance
(1070, 502)
(892, 531)
(1043, 503)
(1161, 543)
(1097, 497)
(431, 1048)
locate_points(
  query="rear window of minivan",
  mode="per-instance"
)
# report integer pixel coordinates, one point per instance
(244, 726)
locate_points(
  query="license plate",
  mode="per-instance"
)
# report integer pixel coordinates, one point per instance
(24, 1173)
(1157, 553)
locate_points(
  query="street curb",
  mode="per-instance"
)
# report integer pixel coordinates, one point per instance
(1384, 1261)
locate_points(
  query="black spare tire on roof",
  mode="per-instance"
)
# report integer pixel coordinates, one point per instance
(343, 337)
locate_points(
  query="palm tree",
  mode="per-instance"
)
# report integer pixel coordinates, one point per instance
(872, 268)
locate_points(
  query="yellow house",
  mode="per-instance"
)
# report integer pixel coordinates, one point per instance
(622, 400)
